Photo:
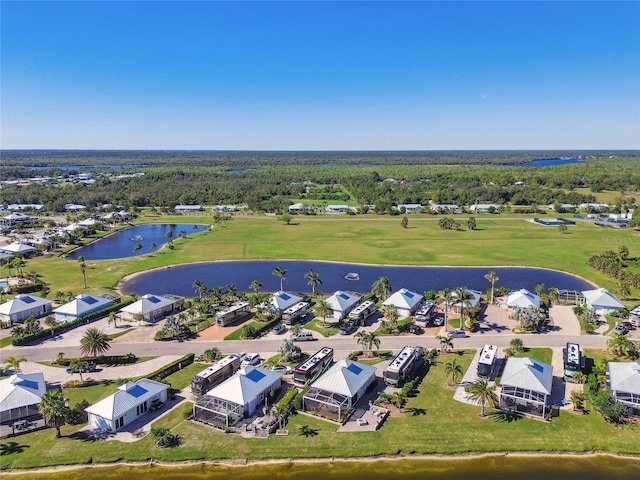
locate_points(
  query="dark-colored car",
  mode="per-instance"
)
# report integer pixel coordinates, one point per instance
(415, 329)
(346, 328)
(279, 328)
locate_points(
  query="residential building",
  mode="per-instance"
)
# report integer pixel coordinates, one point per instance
(405, 301)
(188, 208)
(151, 307)
(601, 300)
(20, 249)
(339, 389)
(131, 401)
(409, 207)
(484, 207)
(20, 395)
(473, 302)
(280, 301)
(447, 208)
(83, 305)
(526, 386)
(523, 299)
(624, 384)
(23, 306)
(342, 303)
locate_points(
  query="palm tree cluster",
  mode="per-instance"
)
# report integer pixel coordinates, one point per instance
(368, 341)
(621, 346)
(483, 393)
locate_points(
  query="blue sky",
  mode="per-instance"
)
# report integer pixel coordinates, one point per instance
(320, 75)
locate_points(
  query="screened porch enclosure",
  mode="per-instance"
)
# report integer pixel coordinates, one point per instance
(217, 412)
(523, 400)
(327, 404)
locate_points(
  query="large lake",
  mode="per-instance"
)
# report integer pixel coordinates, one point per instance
(121, 243)
(178, 279)
(489, 467)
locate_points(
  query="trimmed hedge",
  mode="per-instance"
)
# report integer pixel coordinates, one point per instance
(101, 360)
(64, 327)
(172, 367)
(29, 288)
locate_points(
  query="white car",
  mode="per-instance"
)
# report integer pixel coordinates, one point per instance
(457, 334)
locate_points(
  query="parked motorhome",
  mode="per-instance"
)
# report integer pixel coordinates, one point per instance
(486, 361)
(362, 312)
(425, 313)
(211, 376)
(574, 361)
(314, 366)
(404, 366)
(233, 314)
(294, 313)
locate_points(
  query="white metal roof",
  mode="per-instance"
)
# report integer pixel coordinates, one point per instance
(245, 385)
(84, 303)
(22, 302)
(21, 390)
(283, 300)
(128, 396)
(625, 377)
(345, 377)
(18, 247)
(147, 304)
(601, 297)
(474, 301)
(340, 301)
(523, 299)
(404, 299)
(528, 374)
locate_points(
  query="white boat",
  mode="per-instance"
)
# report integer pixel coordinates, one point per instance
(352, 276)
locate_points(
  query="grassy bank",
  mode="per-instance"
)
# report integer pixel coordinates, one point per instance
(434, 423)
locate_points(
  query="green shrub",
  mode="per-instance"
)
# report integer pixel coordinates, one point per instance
(172, 367)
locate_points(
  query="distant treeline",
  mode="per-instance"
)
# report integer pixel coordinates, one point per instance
(272, 187)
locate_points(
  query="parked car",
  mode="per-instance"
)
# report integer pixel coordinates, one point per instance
(457, 334)
(251, 359)
(415, 329)
(281, 368)
(438, 321)
(620, 328)
(279, 328)
(303, 337)
(346, 328)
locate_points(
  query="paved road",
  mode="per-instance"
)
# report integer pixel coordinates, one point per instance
(341, 345)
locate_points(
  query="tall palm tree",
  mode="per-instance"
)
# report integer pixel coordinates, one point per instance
(452, 368)
(94, 343)
(256, 285)
(492, 278)
(78, 365)
(314, 279)
(14, 363)
(113, 318)
(483, 393)
(322, 309)
(446, 297)
(83, 270)
(373, 341)
(281, 274)
(54, 410)
(362, 337)
(197, 286)
(381, 287)
(462, 297)
(553, 294)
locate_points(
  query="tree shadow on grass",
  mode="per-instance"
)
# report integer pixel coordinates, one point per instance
(307, 431)
(416, 411)
(82, 436)
(9, 448)
(504, 416)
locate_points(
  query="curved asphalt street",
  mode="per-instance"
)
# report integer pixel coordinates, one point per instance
(341, 345)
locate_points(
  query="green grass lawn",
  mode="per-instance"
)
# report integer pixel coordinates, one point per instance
(371, 239)
(434, 423)
(182, 378)
(316, 326)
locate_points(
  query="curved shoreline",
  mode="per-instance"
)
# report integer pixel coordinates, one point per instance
(248, 463)
(131, 276)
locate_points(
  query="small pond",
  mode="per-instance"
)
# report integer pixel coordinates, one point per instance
(178, 279)
(122, 243)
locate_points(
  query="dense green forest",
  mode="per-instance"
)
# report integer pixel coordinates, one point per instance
(271, 181)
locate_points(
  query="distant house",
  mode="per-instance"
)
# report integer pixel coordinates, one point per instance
(300, 207)
(405, 301)
(188, 208)
(624, 384)
(237, 397)
(23, 306)
(19, 249)
(338, 208)
(151, 307)
(16, 218)
(339, 389)
(83, 305)
(25, 206)
(409, 207)
(484, 207)
(473, 302)
(563, 207)
(523, 299)
(526, 386)
(20, 395)
(224, 208)
(280, 301)
(132, 400)
(74, 207)
(88, 222)
(342, 303)
(448, 208)
(601, 300)
(4, 256)
(593, 206)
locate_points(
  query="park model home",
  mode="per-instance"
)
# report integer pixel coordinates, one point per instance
(342, 303)
(624, 383)
(20, 395)
(280, 301)
(132, 400)
(526, 386)
(523, 299)
(601, 300)
(23, 306)
(237, 397)
(405, 301)
(339, 389)
(83, 305)
(151, 307)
